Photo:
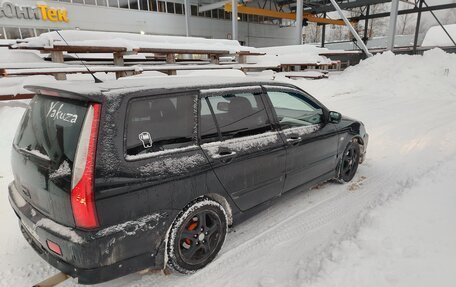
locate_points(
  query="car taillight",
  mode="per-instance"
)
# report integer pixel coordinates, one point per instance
(82, 194)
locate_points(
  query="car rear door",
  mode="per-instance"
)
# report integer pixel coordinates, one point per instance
(311, 141)
(246, 153)
(43, 155)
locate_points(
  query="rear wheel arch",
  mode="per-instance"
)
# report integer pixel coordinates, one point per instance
(220, 199)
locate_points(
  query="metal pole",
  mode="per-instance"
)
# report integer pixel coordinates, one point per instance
(323, 33)
(392, 25)
(417, 28)
(352, 30)
(234, 19)
(187, 17)
(299, 15)
(366, 25)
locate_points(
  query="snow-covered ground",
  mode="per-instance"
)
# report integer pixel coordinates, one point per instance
(392, 226)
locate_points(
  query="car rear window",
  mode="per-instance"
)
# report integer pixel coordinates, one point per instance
(50, 128)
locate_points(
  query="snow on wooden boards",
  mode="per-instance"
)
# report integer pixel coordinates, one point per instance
(114, 49)
(16, 97)
(73, 69)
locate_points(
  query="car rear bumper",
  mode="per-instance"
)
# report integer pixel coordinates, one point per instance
(95, 256)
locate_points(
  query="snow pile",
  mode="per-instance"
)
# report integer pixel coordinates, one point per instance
(392, 75)
(297, 54)
(131, 41)
(436, 36)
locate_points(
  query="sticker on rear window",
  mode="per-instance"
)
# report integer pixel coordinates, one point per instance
(146, 139)
(56, 113)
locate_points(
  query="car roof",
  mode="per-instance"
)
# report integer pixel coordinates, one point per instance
(94, 91)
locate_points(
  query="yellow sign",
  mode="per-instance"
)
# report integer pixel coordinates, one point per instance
(53, 15)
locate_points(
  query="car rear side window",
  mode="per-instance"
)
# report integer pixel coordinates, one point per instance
(158, 124)
(50, 128)
(236, 115)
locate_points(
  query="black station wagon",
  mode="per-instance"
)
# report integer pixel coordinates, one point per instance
(116, 177)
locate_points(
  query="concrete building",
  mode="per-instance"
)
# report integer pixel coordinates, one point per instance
(27, 18)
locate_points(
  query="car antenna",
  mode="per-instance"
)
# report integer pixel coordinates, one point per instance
(82, 62)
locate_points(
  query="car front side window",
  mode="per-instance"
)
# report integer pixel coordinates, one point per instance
(295, 110)
(238, 115)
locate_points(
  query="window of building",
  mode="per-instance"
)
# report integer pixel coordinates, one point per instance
(161, 6)
(221, 14)
(67, 1)
(144, 5)
(2, 34)
(27, 33)
(113, 3)
(227, 16)
(134, 4)
(159, 124)
(208, 14)
(153, 5)
(41, 31)
(241, 114)
(123, 4)
(215, 13)
(170, 7)
(194, 9)
(102, 3)
(90, 2)
(78, 1)
(179, 8)
(12, 33)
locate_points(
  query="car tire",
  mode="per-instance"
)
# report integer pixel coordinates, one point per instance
(349, 162)
(196, 236)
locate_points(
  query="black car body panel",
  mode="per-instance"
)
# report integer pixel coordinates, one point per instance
(138, 194)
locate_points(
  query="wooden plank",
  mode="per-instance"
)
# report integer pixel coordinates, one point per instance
(182, 51)
(53, 280)
(16, 97)
(119, 61)
(248, 53)
(68, 70)
(57, 57)
(76, 49)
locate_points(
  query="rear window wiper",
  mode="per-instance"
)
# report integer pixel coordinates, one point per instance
(35, 153)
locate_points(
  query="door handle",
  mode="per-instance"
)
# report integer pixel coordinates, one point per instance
(294, 139)
(225, 156)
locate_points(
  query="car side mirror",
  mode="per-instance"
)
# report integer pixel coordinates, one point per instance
(222, 106)
(335, 117)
